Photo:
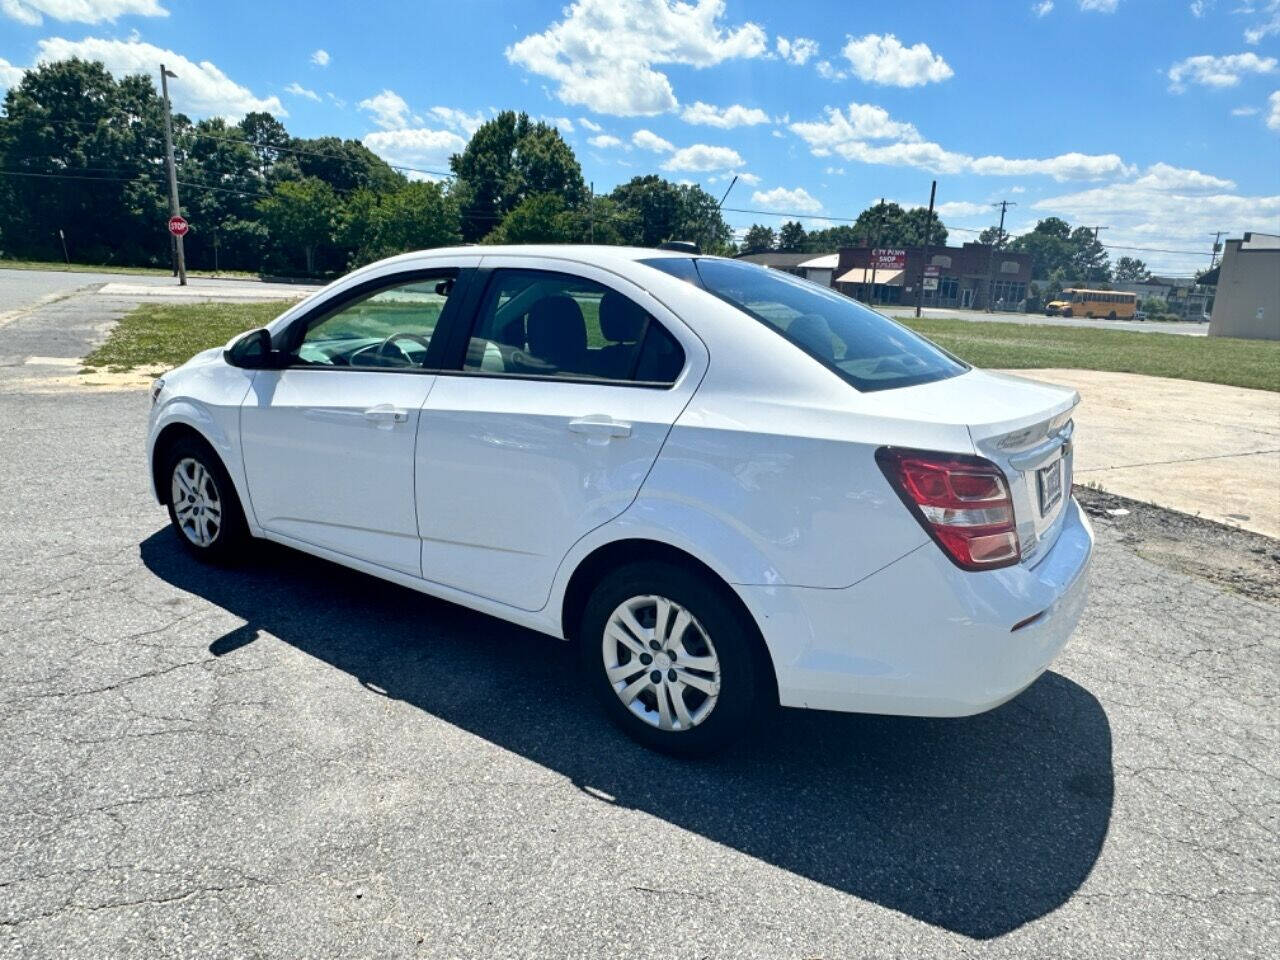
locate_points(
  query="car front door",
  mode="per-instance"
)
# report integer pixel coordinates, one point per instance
(571, 380)
(328, 441)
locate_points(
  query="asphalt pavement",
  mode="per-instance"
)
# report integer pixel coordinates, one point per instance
(1039, 319)
(290, 759)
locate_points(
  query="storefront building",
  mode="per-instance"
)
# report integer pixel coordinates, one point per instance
(961, 276)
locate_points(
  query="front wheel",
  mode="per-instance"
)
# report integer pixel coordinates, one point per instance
(673, 661)
(1111, 315)
(203, 506)
(1066, 313)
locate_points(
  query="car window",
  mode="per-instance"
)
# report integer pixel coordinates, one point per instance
(387, 328)
(866, 349)
(537, 323)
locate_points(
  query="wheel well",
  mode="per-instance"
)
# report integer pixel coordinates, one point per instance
(164, 443)
(604, 560)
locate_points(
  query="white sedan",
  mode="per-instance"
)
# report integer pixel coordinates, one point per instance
(731, 488)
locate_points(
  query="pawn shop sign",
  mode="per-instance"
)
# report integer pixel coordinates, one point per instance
(178, 226)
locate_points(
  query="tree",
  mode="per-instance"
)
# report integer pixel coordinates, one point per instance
(266, 136)
(759, 239)
(994, 236)
(652, 210)
(538, 218)
(300, 215)
(346, 165)
(889, 225)
(1131, 269)
(1089, 259)
(831, 239)
(1049, 244)
(508, 159)
(791, 238)
(418, 216)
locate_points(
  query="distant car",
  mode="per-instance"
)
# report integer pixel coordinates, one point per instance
(731, 488)
(1140, 315)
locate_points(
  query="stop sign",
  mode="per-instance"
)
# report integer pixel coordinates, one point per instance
(178, 226)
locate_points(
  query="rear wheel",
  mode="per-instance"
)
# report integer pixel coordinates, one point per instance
(673, 661)
(1066, 313)
(203, 506)
(1111, 315)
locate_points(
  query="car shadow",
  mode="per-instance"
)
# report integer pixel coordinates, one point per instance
(977, 825)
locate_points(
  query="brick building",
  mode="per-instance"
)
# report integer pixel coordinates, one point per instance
(963, 274)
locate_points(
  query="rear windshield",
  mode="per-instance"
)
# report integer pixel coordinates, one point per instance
(868, 350)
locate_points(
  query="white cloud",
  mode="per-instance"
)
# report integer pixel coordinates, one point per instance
(335, 100)
(1043, 8)
(590, 125)
(648, 140)
(1273, 117)
(797, 51)
(604, 141)
(33, 12)
(298, 90)
(1218, 72)
(200, 89)
(748, 178)
(885, 61)
(783, 200)
(603, 53)
(868, 134)
(725, 119)
(701, 157)
(10, 75)
(1244, 111)
(415, 147)
(962, 208)
(1099, 6)
(1162, 176)
(1268, 27)
(1200, 7)
(320, 58)
(563, 124)
(1143, 212)
(834, 171)
(455, 119)
(389, 110)
(828, 72)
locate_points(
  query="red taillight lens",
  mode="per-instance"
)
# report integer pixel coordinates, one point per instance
(962, 502)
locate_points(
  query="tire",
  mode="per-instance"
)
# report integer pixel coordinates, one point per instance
(1089, 315)
(1066, 313)
(203, 507)
(718, 635)
(1111, 315)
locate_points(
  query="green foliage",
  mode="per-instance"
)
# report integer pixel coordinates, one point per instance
(300, 217)
(1131, 269)
(889, 225)
(792, 237)
(508, 159)
(653, 210)
(417, 216)
(832, 239)
(759, 239)
(538, 218)
(1070, 255)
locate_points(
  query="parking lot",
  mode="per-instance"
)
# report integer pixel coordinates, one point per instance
(291, 759)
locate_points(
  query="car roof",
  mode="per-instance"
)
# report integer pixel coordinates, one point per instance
(601, 254)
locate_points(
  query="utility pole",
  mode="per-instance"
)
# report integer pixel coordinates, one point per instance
(879, 224)
(591, 209)
(991, 259)
(1217, 245)
(924, 257)
(174, 210)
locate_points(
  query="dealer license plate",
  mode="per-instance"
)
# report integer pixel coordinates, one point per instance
(1049, 482)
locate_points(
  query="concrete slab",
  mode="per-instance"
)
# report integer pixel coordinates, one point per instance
(1200, 448)
(219, 290)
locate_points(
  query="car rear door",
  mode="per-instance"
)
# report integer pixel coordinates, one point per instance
(328, 441)
(566, 387)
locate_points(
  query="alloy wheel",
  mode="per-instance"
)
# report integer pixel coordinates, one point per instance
(196, 503)
(661, 663)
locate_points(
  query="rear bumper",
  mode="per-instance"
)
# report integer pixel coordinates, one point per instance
(922, 637)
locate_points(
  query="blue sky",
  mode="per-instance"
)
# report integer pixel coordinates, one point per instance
(1159, 119)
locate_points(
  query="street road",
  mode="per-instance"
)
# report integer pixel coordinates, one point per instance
(1039, 319)
(289, 759)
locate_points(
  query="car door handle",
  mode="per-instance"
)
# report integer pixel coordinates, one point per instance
(386, 416)
(601, 427)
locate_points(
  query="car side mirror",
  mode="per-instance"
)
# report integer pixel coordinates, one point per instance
(252, 351)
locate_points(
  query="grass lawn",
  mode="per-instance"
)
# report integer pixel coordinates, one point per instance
(53, 266)
(166, 335)
(1237, 363)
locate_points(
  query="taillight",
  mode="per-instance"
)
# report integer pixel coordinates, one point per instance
(962, 502)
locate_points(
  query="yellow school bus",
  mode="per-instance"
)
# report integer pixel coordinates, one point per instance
(1112, 304)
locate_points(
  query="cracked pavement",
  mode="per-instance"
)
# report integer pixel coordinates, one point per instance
(289, 759)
